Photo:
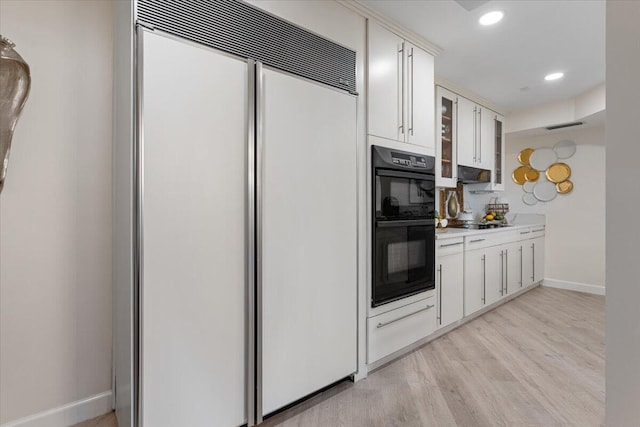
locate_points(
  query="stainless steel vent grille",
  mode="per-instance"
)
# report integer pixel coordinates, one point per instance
(241, 29)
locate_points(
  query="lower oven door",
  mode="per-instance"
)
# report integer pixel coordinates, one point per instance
(404, 259)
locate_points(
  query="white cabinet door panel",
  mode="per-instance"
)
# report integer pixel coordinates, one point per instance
(474, 281)
(193, 289)
(486, 144)
(538, 259)
(421, 93)
(513, 267)
(386, 83)
(466, 141)
(494, 274)
(450, 288)
(309, 238)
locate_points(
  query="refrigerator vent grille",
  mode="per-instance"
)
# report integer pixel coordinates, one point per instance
(241, 29)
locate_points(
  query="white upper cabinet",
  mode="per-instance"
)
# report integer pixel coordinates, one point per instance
(486, 130)
(400, 89)
(446, 138)
(498, 176)
(467, 147)
(476, 131)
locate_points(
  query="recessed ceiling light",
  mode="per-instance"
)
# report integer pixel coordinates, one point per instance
(491, 18)
(553, 76)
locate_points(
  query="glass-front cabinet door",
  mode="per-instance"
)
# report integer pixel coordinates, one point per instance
(499, 160)
(446, 137)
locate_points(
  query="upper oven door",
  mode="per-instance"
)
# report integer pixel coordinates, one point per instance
(404, 254)
(404, 195)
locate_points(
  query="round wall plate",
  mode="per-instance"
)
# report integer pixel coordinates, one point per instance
(529, 199)
(545, 191)
(528, 186)
(520, 174)
(524, 155)
(565, 149)
(532, 175)
(542, 158)
(558, 172)
(564, 187)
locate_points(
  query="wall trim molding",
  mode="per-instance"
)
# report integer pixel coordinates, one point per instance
(69, 414)
(392, 25)
(574, 286)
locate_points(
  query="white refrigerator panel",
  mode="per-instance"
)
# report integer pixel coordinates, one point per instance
(194, 116)
(309, 238)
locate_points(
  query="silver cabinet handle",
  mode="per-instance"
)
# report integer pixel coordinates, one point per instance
(440, 294)
(506, 271)
(412, 94)
(480, 135)
(525, 232)
(451, 244)
(501, 273)
(484, 279)
(454, 173)
(521, 267)
(477, 240)
(537, 231)
(475, 132)
(380, 325)
(401, 54)
(533, 256)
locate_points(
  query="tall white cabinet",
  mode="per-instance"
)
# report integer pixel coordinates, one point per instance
(308, 240)
(192, 339)
(400, 89)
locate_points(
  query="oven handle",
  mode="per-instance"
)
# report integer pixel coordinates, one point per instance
(405, 223)
(402, 174)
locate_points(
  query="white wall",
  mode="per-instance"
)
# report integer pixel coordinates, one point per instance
(623, 199)
(575, 222)
(55, 211)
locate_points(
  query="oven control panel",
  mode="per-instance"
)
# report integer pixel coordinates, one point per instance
(418, 162)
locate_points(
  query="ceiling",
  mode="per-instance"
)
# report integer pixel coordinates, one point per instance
(506, 63)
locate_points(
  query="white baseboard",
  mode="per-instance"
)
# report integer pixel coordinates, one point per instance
(67, 415)
(574, 286)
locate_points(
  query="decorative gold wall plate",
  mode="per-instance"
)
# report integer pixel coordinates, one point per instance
(524, 155)
(531, 175)
(520, 174)
(564, 187)
(558, 172)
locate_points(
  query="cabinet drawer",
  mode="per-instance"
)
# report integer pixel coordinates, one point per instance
(394, 330)
(524, 233)
(537, 231)
(449, 246)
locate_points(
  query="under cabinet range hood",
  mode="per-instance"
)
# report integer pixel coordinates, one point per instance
(469, 175)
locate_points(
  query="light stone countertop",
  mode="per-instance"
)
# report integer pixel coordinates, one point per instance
(463, 232)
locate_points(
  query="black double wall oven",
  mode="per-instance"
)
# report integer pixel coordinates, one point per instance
(404, 190)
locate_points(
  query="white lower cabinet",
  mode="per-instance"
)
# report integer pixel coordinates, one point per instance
(482, 278)
(493, 274)
(513, 261)
(537, 249)
(498, 265)
(449, 282)
(396, 329)
(474, 281)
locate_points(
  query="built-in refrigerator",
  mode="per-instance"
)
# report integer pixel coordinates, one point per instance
(243, 287)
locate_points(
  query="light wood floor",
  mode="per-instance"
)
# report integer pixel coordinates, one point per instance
(536, 361)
